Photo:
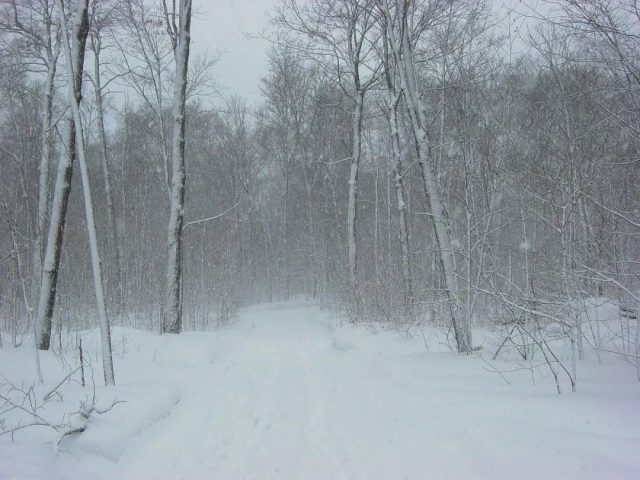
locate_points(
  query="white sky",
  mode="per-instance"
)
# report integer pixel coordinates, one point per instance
(224, 25)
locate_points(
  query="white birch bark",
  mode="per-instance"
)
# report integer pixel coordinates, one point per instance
(62, 189)
(44, 179)
(172, 314)
(76, 50)
(33, 21)
(403, 55)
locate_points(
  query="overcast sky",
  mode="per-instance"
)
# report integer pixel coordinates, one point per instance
(226, 25)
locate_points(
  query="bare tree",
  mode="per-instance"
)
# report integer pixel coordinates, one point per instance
(342, 37)
(286, 90)
(180, 39)
(77, 47)
(146, 51)
(62, 189)
(403, 43)
(34, 24)
(392, 105)
(103, 17)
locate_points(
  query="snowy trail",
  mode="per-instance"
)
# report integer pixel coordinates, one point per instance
(250, 413)
(283, 396)
(283, 393)
(278, 399)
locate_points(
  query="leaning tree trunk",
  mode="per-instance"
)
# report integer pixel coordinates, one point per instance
(403, 56)
(62, 189)
(172, 315)
(439, 216)
(459, 320)
(77, 50)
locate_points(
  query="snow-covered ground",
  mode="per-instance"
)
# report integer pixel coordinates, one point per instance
(286, 393)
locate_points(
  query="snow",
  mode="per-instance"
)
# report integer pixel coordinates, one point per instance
(288, 392)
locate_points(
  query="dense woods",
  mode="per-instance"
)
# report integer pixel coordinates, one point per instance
(409, 162)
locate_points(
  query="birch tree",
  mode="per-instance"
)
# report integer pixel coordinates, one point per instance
(392, 105)
(403, 43)
(77, 48)
(62, 189)
(103, 19)
(34, 24)
(180, 38)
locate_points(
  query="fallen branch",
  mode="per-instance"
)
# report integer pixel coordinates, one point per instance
(85, 412)
(25, 401)
(55, 389)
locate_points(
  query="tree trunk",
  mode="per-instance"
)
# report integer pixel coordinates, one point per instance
(44, 170)
(51, 263)
(352, 209)
(172, 318)
(75, 95)
(403, 55)
(113, 231)
(402, 207)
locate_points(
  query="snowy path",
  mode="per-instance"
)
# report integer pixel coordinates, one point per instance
(280, 394)
(283, 397)
(257, 409)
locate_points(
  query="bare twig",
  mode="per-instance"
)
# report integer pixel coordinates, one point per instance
(55, 389)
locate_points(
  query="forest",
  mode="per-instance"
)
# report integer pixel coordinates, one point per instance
(461, 175)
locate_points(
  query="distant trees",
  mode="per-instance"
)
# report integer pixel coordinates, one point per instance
(35, 46)
(285, 119)
(340, 35)
(404, 165)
